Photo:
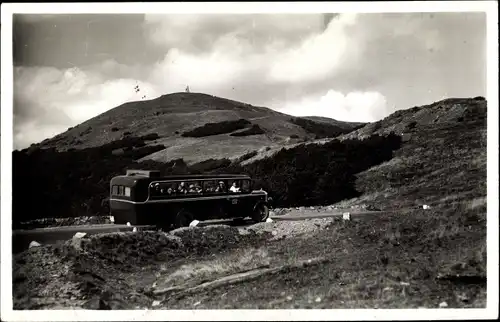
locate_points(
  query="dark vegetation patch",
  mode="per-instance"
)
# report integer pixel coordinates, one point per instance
(254, 130)
(246, 156)
(70, 184)
(76, 183)
(217, 128)
(321, 129)
(150, 137)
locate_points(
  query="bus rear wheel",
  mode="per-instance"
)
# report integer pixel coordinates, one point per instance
(260, 213)
(183, 219)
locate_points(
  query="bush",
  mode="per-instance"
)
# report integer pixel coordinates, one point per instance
(74, 182)
(150, 137)
(217, 128)
(254, 130)
(294, 136)
(246, 156)
(209, 165)
(320, 129)
(114, 129)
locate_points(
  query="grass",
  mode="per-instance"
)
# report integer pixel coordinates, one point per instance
(207, 270)
(385, 262)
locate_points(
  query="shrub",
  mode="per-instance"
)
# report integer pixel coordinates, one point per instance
(114, 129)
(217, 128)
(246, 156)
(75, 183)
(320, 129)
(294, 136)
(150, 137)
(254, 130)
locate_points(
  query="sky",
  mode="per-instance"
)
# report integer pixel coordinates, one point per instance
(69, 68)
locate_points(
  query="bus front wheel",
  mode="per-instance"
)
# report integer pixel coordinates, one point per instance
(183, 219)
(260, 213)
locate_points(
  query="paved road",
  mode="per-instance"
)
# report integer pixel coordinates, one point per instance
(22, 238)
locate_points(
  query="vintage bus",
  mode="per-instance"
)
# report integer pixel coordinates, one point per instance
(143, 197)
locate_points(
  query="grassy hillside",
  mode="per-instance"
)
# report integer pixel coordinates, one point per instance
(409, 258)
(191, 126)
(430, 165)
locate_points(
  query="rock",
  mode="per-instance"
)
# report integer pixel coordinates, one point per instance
(274, 233)
(318, 299)
(128, 224)
(372, 208)
(156, 303)
(194, 223)
(272, 213)
(312, 208)
(426, 207)
(34, 244)
(134, 229)
(329, 208)
(79, 235)
(443, 304)
(405, 283)
(112, 219)
(269, 220)
(463, 298)
(346, 216)
(386, 289)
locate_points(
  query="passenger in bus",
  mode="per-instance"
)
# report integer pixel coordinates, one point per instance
(221, 187)
(234, 188)
(182, 188)
(170, 191)
(197, 188)
(191, 188)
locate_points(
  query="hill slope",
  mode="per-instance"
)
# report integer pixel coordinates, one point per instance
(168, 117)
(317, 172)
(411, 258)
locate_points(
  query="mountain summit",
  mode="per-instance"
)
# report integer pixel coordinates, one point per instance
(196, 126)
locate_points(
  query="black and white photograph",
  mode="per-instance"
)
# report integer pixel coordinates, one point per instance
(275, 161)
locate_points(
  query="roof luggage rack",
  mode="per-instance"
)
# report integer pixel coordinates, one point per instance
(144, 173)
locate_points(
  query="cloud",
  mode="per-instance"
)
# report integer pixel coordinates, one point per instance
(350, 107)
(353, 67)
(318, 55)
(48, 100)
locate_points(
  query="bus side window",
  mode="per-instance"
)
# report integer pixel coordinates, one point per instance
(235, 186)
(245, 186)
(221, 187)
(127, 191)
(193, 187)
(120, 190)
(114, 190)
(209, 186)
(166, 189)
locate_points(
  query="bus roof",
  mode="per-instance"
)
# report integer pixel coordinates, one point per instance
(134, 177)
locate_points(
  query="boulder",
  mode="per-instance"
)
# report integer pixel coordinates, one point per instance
(34, 244)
